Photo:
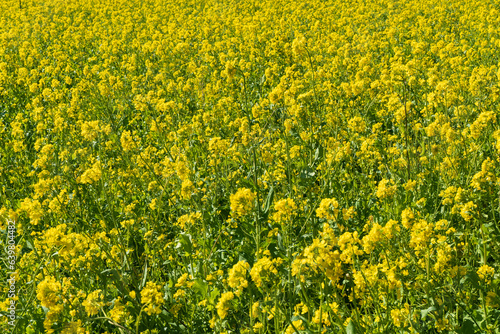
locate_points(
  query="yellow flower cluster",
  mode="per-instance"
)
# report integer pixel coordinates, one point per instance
(262, 270)
(284, 210)
(48, 292)
(224, 304)
(152, 298)
(93, 303)
(400, 317)
(328, 209)
(272, 166)
(386, 189)
(237, 276)
(486, 272)
(242, 202)
(92, 174)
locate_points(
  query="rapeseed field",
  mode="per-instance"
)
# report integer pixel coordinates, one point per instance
(249, 166)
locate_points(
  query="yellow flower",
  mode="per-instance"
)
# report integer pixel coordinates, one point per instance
(34, 210)
(242, 202)
(348, 213)
(407, 218)
(485, 176)
(179, 294)
(127, 141)
(328, 209)
(448, 195)
(467, 211)
(385, 189)
(375, 235)
(152, 298)
(237, 276)
(74, 327)
(297, 324)
(442, 324)
(118, 312)
(262, 269)
(181, 168)
(319, 314)
(188, 220)
(255, 310)
(285, 208)
(492, 299)
(257, 326)
(486, 273)
(93, 302)
(184, 280)
(127, 223)
(299, 45)
(92, 174)
(224, 304)
(357, 124)
(485, 118)
(90, 130)
(400, 317)
(187, 189)
(48, 292)
(410, 185)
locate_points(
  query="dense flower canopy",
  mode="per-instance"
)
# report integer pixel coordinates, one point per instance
(249, 166)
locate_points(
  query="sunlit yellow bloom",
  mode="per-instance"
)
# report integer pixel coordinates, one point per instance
(93, 302)
(152, 298)
(328, 209)
(242, 202)
(224, 304)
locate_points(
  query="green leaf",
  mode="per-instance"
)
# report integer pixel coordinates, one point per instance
(467, 327)
(425, 312)
(144, 276)
(350, 329)
(114, 275)
(471, 277)
(299, 317)
(213, 295)
(269, 200)
(242, 257)
(307, 173)
(318, 153)
(200, 287)
(185, 242)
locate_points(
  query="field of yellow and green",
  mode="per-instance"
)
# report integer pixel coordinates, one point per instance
(269, 166)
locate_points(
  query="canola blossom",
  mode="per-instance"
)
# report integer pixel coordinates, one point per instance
(249, 166)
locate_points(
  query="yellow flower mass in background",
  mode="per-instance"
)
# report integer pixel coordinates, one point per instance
(249, 166)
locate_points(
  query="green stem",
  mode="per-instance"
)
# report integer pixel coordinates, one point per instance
(257, 223)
